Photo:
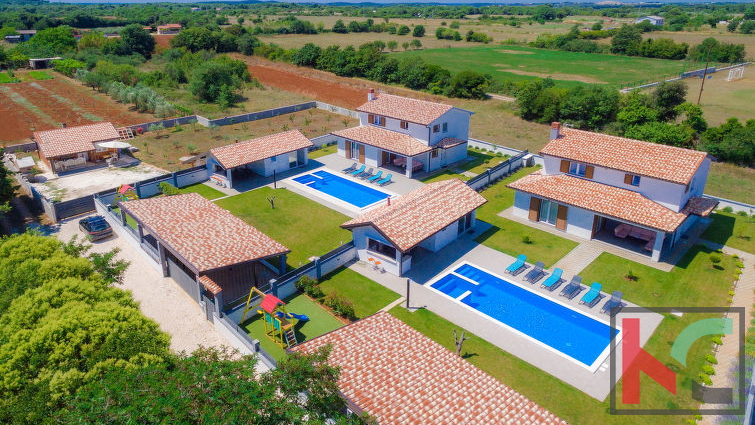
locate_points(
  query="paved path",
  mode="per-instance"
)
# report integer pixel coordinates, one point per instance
(728, 353)
(578, 258)
(160, 298)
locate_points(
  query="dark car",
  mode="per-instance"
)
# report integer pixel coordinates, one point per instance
(96, 227)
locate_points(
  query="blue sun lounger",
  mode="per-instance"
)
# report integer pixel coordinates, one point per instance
(359, 171)
(517, 266)
(554, 280)
(366, 174)
(350, 169)
(613, 305)
(573, 288)
(593, 296)
(376, 176)
(385, 181)
(536, 273)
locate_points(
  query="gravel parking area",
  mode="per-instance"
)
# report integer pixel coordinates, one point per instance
(76, 185)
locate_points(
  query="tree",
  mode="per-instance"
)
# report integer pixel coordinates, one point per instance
(246, 44)
(416, 44)
(196, 39)
(693, 116)
(590, 108)
(7, 189)
(405, 45)
(379, 44)
(58, 40)
(92, 40)
(402, 30)
(392, 45)
(307, 55)
(419, 31)
(138, 40)
(597, 26)
(747, 27)
(199, 389)
(661, 132)
(210, 79)
(626, 41)
(667, 96)
(539, 100)
(731, 141)
(340, 28)
(637, 108)
(468, 85)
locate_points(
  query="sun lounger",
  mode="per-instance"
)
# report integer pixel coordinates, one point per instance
(536, 273)
(554, 280)
(366, 174)
(350, 169)
(376, 176)
(613, 305)
(593, 296)
(385, 181)
(517, 266)
(573, 288)
(359, 171)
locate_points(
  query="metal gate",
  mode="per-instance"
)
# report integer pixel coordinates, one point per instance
(184, 280)
(209, 307)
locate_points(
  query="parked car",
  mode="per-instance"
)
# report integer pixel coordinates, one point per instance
(96, 227)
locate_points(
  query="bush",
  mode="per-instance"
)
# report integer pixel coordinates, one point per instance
(67, 67)
(715, 259)
(708, 370)
(728, 209)
(340, 305)
(310, 287)
(717, 340)
(526, 239)
(705, 379)
(168, 189)
(710, 358)
(402, 30)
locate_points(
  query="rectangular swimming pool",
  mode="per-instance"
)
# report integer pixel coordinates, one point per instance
(349, 191)
(555, 325)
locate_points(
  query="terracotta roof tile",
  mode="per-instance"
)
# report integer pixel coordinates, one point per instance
(210, 284)
(260, 148)
(601, 198)
(700, 206)
(663, 162)
(71, 140)
(404, 108)
(205, 235)
(393, 141)
(402, 377)
(419, 214)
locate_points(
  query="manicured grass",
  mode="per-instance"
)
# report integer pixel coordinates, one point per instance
(569, 69)
(367, 296)
(320, 322)
(203, 190)
(481, 162)
(444, 175)
(693, 283)
(324, 150)
(732, 230)
(507, 235)
(40, 75)
(731, 181)
(305, 227)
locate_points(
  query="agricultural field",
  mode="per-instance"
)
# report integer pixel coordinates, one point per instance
(44, 104)
(164, 148)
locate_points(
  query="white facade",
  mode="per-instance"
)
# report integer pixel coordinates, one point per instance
(264, 167)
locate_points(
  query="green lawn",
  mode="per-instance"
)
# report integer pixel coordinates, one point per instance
(40, 75)
(367, 296)
(444, 175)
(569, 69)
(732, 230)
(305, 227)
(693, 283)
(481, 162)
(507, 235)
(5, 78)
(325, 150)
(320, 322)
(204, 190)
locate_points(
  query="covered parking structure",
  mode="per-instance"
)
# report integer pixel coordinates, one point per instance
(262, 156)
(213, 255)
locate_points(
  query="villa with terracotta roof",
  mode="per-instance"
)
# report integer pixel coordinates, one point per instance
(399, 376)
(207, 250)
(427, 218)
(404, 134)
(262, 156)
(639, 195)
(68, 148)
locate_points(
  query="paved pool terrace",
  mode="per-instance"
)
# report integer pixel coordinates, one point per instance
(596, 384)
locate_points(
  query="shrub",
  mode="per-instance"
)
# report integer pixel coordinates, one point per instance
(192, 148)
(708, 370)
(742, 213)
(728, 209)
(310, 287)
(527, 239)
(631, 275)
(717, 340)
(740, 265)
(340, 305)
(706, 379)
(710, 358)
(715, 259)
(168, 189)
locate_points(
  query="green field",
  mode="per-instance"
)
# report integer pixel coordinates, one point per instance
(569, 69)
(40, 75)
(5, 78)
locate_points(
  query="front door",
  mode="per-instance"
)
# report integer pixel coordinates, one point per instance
(386, 158)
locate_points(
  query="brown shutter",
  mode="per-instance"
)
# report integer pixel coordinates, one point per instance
(588, 171)
(348, 148)
(371, 119)
(361, 153)
(386, 157)
(564, 166)
(561, 217)
(534, 208)
(627, 179)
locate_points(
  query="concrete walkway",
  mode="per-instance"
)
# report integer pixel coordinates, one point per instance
(578, 258)
(728, 353)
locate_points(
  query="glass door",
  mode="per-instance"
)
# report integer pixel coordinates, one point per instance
(548, 212)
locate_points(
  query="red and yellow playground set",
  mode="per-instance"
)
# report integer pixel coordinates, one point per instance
(279, 324)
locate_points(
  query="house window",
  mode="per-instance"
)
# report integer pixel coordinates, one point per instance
(577, 169)
(273, 158)
(632, 179)
(548, 212)
(404, 125)
(445, 127)
(381, 248)
(434, 153)
(436, 128)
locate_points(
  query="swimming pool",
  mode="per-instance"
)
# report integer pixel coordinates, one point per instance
(349, 191)
(555, 325)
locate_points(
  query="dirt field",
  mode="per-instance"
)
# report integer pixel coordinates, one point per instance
(724, 99)
(42, 105)
(162, 41)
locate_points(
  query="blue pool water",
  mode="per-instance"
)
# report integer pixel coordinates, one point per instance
(561, 328)
(346, 190)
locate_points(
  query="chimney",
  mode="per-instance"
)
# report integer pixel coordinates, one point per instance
(389, 200)
(555, 130)
(237, 140)
(371, 95)
(63, 125)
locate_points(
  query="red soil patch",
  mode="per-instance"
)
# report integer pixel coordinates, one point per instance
(163, 40)
(57, 110)
(17, 123)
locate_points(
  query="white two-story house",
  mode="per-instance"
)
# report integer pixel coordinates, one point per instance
(406, 134)
(638, 195)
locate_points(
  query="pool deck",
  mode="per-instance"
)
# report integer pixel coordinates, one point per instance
(596, 384)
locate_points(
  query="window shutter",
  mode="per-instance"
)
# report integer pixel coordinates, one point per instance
(348, 148)
(371, 119)
(627, 179)
(589, 170)
(534, 208)
(564, 166)
(561, 217)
